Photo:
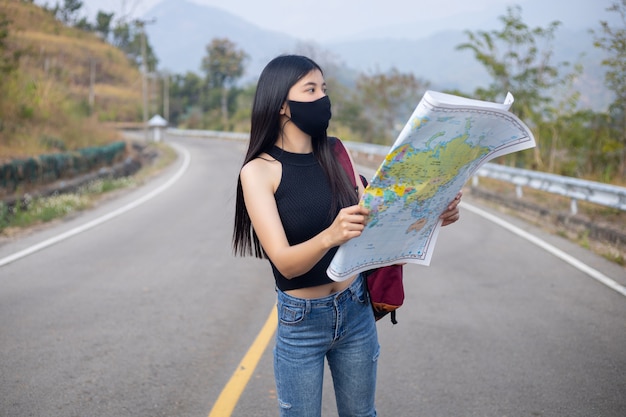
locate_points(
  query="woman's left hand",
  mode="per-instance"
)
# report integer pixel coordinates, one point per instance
(452, 214)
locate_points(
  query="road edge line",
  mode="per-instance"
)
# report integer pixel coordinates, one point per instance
(593, 273)
(102, 219)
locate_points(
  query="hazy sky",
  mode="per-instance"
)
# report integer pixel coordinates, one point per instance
(328, 19)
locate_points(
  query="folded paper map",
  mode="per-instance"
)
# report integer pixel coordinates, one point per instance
(443, 144)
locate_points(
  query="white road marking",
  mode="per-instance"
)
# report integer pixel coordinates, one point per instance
(593, 273)
(89, 225)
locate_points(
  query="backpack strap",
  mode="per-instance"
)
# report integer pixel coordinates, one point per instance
(344, 159)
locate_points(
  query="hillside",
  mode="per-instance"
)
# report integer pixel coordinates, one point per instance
(67, 82)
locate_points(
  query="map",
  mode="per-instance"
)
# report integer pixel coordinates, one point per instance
(445, 141)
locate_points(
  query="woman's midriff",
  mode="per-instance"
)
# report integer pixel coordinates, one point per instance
(321, 290)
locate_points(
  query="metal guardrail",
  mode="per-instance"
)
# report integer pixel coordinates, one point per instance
(573, 188)
(214, 134)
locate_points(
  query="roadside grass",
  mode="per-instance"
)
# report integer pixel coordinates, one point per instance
(42, 210)
(37, 211)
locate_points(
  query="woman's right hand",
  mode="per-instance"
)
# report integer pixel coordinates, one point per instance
(348, 224)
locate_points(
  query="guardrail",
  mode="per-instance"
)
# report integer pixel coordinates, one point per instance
(573, 188)
(208, 134)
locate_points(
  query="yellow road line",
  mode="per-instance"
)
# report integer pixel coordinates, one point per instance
(229, 396)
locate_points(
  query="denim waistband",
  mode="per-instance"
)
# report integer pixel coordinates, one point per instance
(356, 288)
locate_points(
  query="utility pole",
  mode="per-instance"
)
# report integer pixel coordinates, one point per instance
(92, 83)
(166, 96)
(153, 102)
(141, 24)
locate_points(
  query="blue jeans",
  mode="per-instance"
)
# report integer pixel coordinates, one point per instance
(340, 328)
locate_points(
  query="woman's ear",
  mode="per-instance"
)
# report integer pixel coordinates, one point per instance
(283, 109)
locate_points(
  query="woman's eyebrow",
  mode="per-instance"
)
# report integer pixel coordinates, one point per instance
(313, 83)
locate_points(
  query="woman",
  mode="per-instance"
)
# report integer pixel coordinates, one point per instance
(295, 206)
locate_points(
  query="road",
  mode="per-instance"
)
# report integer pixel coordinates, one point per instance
(149, 314)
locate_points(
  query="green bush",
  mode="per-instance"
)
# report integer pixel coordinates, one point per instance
(51, 167)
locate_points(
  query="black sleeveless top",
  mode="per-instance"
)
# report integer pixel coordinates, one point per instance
(303, 199)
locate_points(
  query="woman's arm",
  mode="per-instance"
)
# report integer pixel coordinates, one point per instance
(259, 180)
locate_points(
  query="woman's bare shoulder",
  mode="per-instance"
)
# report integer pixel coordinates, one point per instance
(263, 168)
(260, 164)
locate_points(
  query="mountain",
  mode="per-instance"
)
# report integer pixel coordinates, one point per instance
(433, 58)
(183, 29)
(573, 14)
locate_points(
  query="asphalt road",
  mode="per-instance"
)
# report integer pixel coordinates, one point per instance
(149, 314)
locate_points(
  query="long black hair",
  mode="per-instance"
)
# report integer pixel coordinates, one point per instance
(273, 86)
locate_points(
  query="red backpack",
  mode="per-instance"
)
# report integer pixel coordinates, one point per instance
(384, 284)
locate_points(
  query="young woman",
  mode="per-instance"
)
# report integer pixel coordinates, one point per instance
(295, 205)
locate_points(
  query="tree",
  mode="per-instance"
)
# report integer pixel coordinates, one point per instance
(520, 66)
(103, 24)
(223, 66)
(68, 13)
(388, 100)
(8, 58)
(519, 60)
(613, 41)
(83, 24)
(8, 69)
(554, 125)
(186, 93)
(349, 121)
(127, 37)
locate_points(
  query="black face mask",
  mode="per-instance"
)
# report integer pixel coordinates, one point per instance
(311, 117)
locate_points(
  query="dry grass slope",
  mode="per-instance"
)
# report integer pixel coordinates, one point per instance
(48, 97)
